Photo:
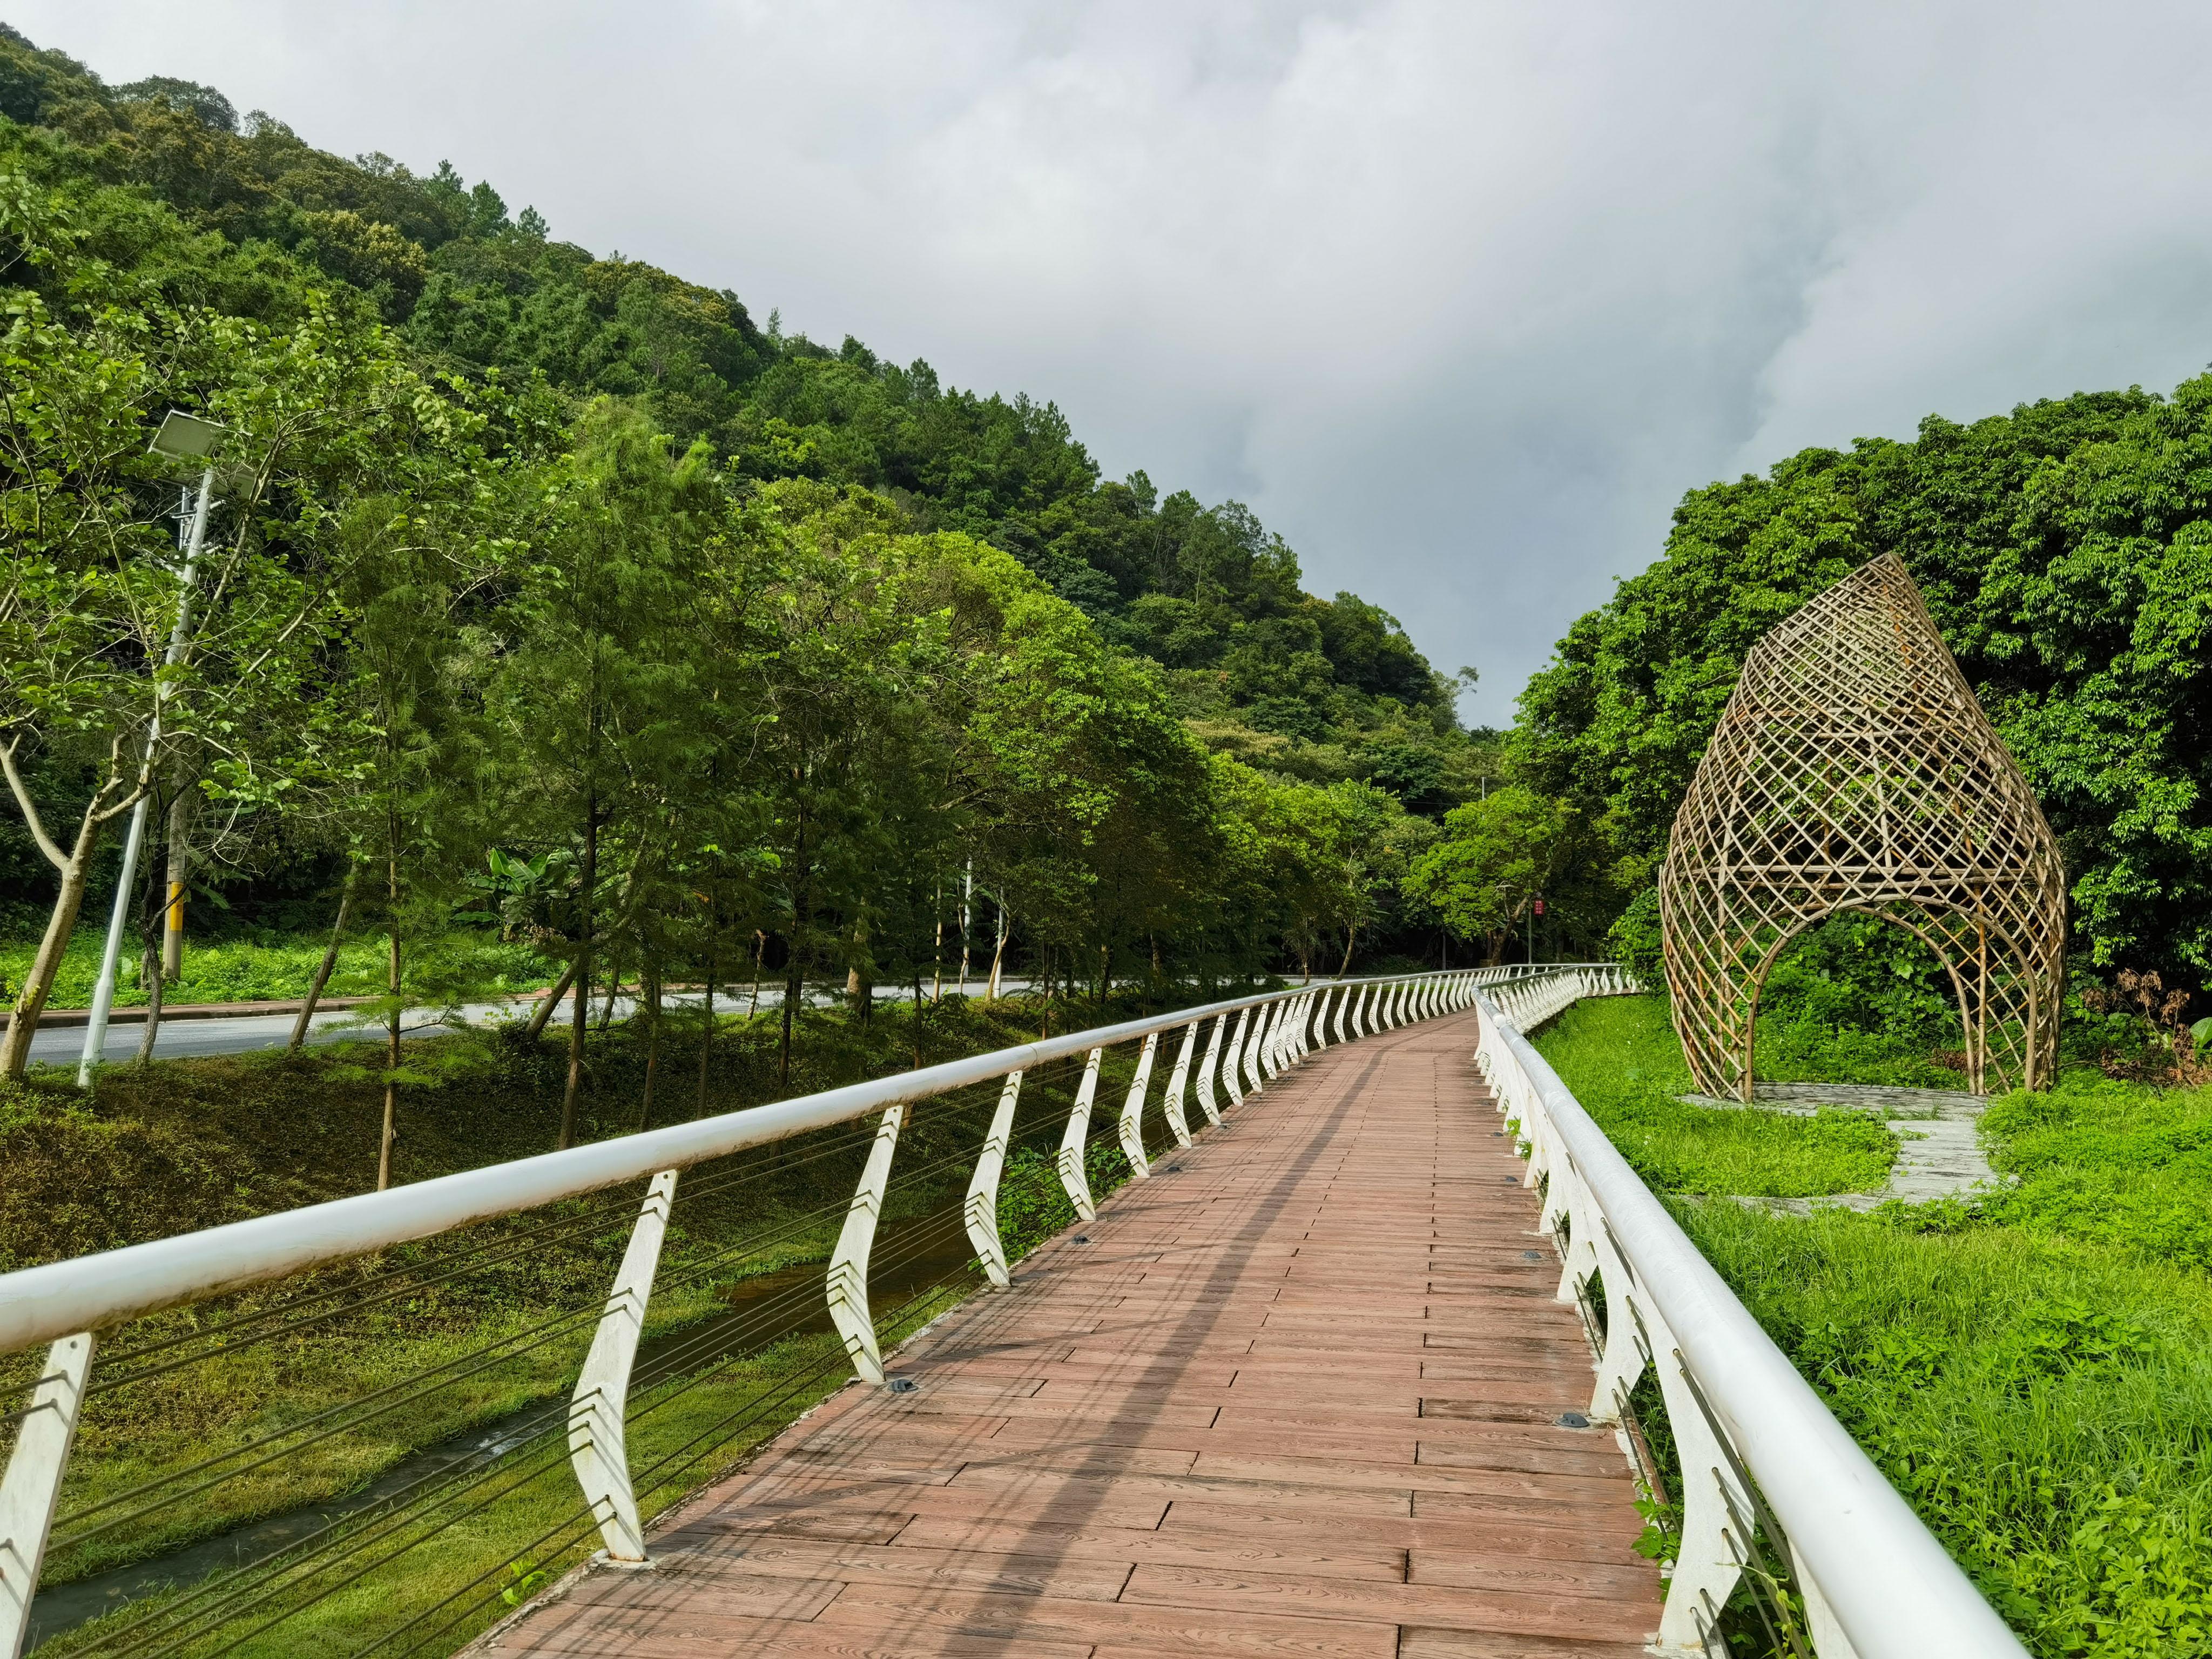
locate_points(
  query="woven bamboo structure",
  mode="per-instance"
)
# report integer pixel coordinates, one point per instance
(1854, 770)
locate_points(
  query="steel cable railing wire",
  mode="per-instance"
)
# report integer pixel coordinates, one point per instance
(793, 1297)
(507, 1245)
(442, 1485)
(672, 1365)
(577, 1527)
(547, 1462)
(703, 1445)
(457, 1369)
(426, 1380)
(623, 1205)
(721, 1335)
(502, 1246)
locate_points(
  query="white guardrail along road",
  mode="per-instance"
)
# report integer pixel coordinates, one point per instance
(1761, 1456)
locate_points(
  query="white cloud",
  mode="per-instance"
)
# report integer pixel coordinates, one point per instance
(1459, 296)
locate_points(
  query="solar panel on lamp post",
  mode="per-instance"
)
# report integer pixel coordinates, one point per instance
(183, 437)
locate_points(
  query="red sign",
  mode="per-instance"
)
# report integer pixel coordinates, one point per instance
(1539, 907)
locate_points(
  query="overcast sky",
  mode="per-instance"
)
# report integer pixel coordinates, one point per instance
(1460, 297)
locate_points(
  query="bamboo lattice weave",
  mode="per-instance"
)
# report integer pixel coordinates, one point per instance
(1854, 770)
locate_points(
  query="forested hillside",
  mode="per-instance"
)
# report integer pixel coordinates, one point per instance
(1323, 689)
(2066, 552)
(551, 593)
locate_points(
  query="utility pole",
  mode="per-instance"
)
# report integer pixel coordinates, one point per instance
(180, 435)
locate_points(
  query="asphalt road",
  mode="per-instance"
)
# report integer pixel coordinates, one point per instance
(181, 1039)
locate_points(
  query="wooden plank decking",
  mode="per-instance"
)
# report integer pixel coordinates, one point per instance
(1299, 1396)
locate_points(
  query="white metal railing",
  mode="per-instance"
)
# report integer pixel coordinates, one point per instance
(1760, 1453)
(1247, 1041)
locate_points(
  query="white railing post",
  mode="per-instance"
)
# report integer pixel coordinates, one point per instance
(34, 1481)
(1321, 1015)
(598, 1448)
(1343, 1009)
(1207, 1070)
(1232, 1062)
(848, 1262)
(1132, 1127)
(1274, 1040)
(1620, 1365)
(1255, 1047)
(1579, 1261)
(1362, 1016)
(981, 1210)
(1073, 1177)
(1285, 1054)
(1708, 1551)
(1178, 1125)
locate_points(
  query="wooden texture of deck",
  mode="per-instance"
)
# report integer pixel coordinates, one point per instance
(1298, 1396)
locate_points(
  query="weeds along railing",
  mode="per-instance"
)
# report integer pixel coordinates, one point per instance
(1775, 1495)
(1221, 1053)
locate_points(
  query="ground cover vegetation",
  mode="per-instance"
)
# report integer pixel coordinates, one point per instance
(2028, 1364)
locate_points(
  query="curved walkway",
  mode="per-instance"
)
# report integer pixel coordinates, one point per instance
(1299, 1394)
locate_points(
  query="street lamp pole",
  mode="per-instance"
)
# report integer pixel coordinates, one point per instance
(180, 434)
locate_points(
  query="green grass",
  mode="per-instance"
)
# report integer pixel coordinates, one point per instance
(2033, 1367)
(267, 966)
(1620, 1057)
(2046, 1406)
(2110, 1163)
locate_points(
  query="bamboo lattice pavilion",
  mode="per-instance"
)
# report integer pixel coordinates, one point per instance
(1854, 770)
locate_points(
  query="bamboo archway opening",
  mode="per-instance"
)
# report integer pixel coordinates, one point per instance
(1853, 770)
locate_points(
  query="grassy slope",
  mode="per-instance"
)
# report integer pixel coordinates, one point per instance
(1625, 1066)
(190, 1144)
(2035, 1371)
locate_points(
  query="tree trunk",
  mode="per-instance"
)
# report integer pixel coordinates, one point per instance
(607, 1002)
(589, 878)
(330, 961)
(650, 979)
(707, 1024)
(149, 971)
(801, 897)
(998, 958)
(551, 1000)
(151, 978)
(859, 988)
(760, 955)
(180, 872)
(1350, 934)
(392, 1032)
(38, 982)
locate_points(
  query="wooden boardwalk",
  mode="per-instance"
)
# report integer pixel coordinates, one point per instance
(1299, 1396)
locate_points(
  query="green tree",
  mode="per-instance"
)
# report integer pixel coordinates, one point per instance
(1497, 856)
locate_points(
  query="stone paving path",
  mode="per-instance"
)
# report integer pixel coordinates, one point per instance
(1939, 1155)
(1301, 1396)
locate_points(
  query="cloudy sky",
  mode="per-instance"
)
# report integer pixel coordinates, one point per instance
(1459, 296)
